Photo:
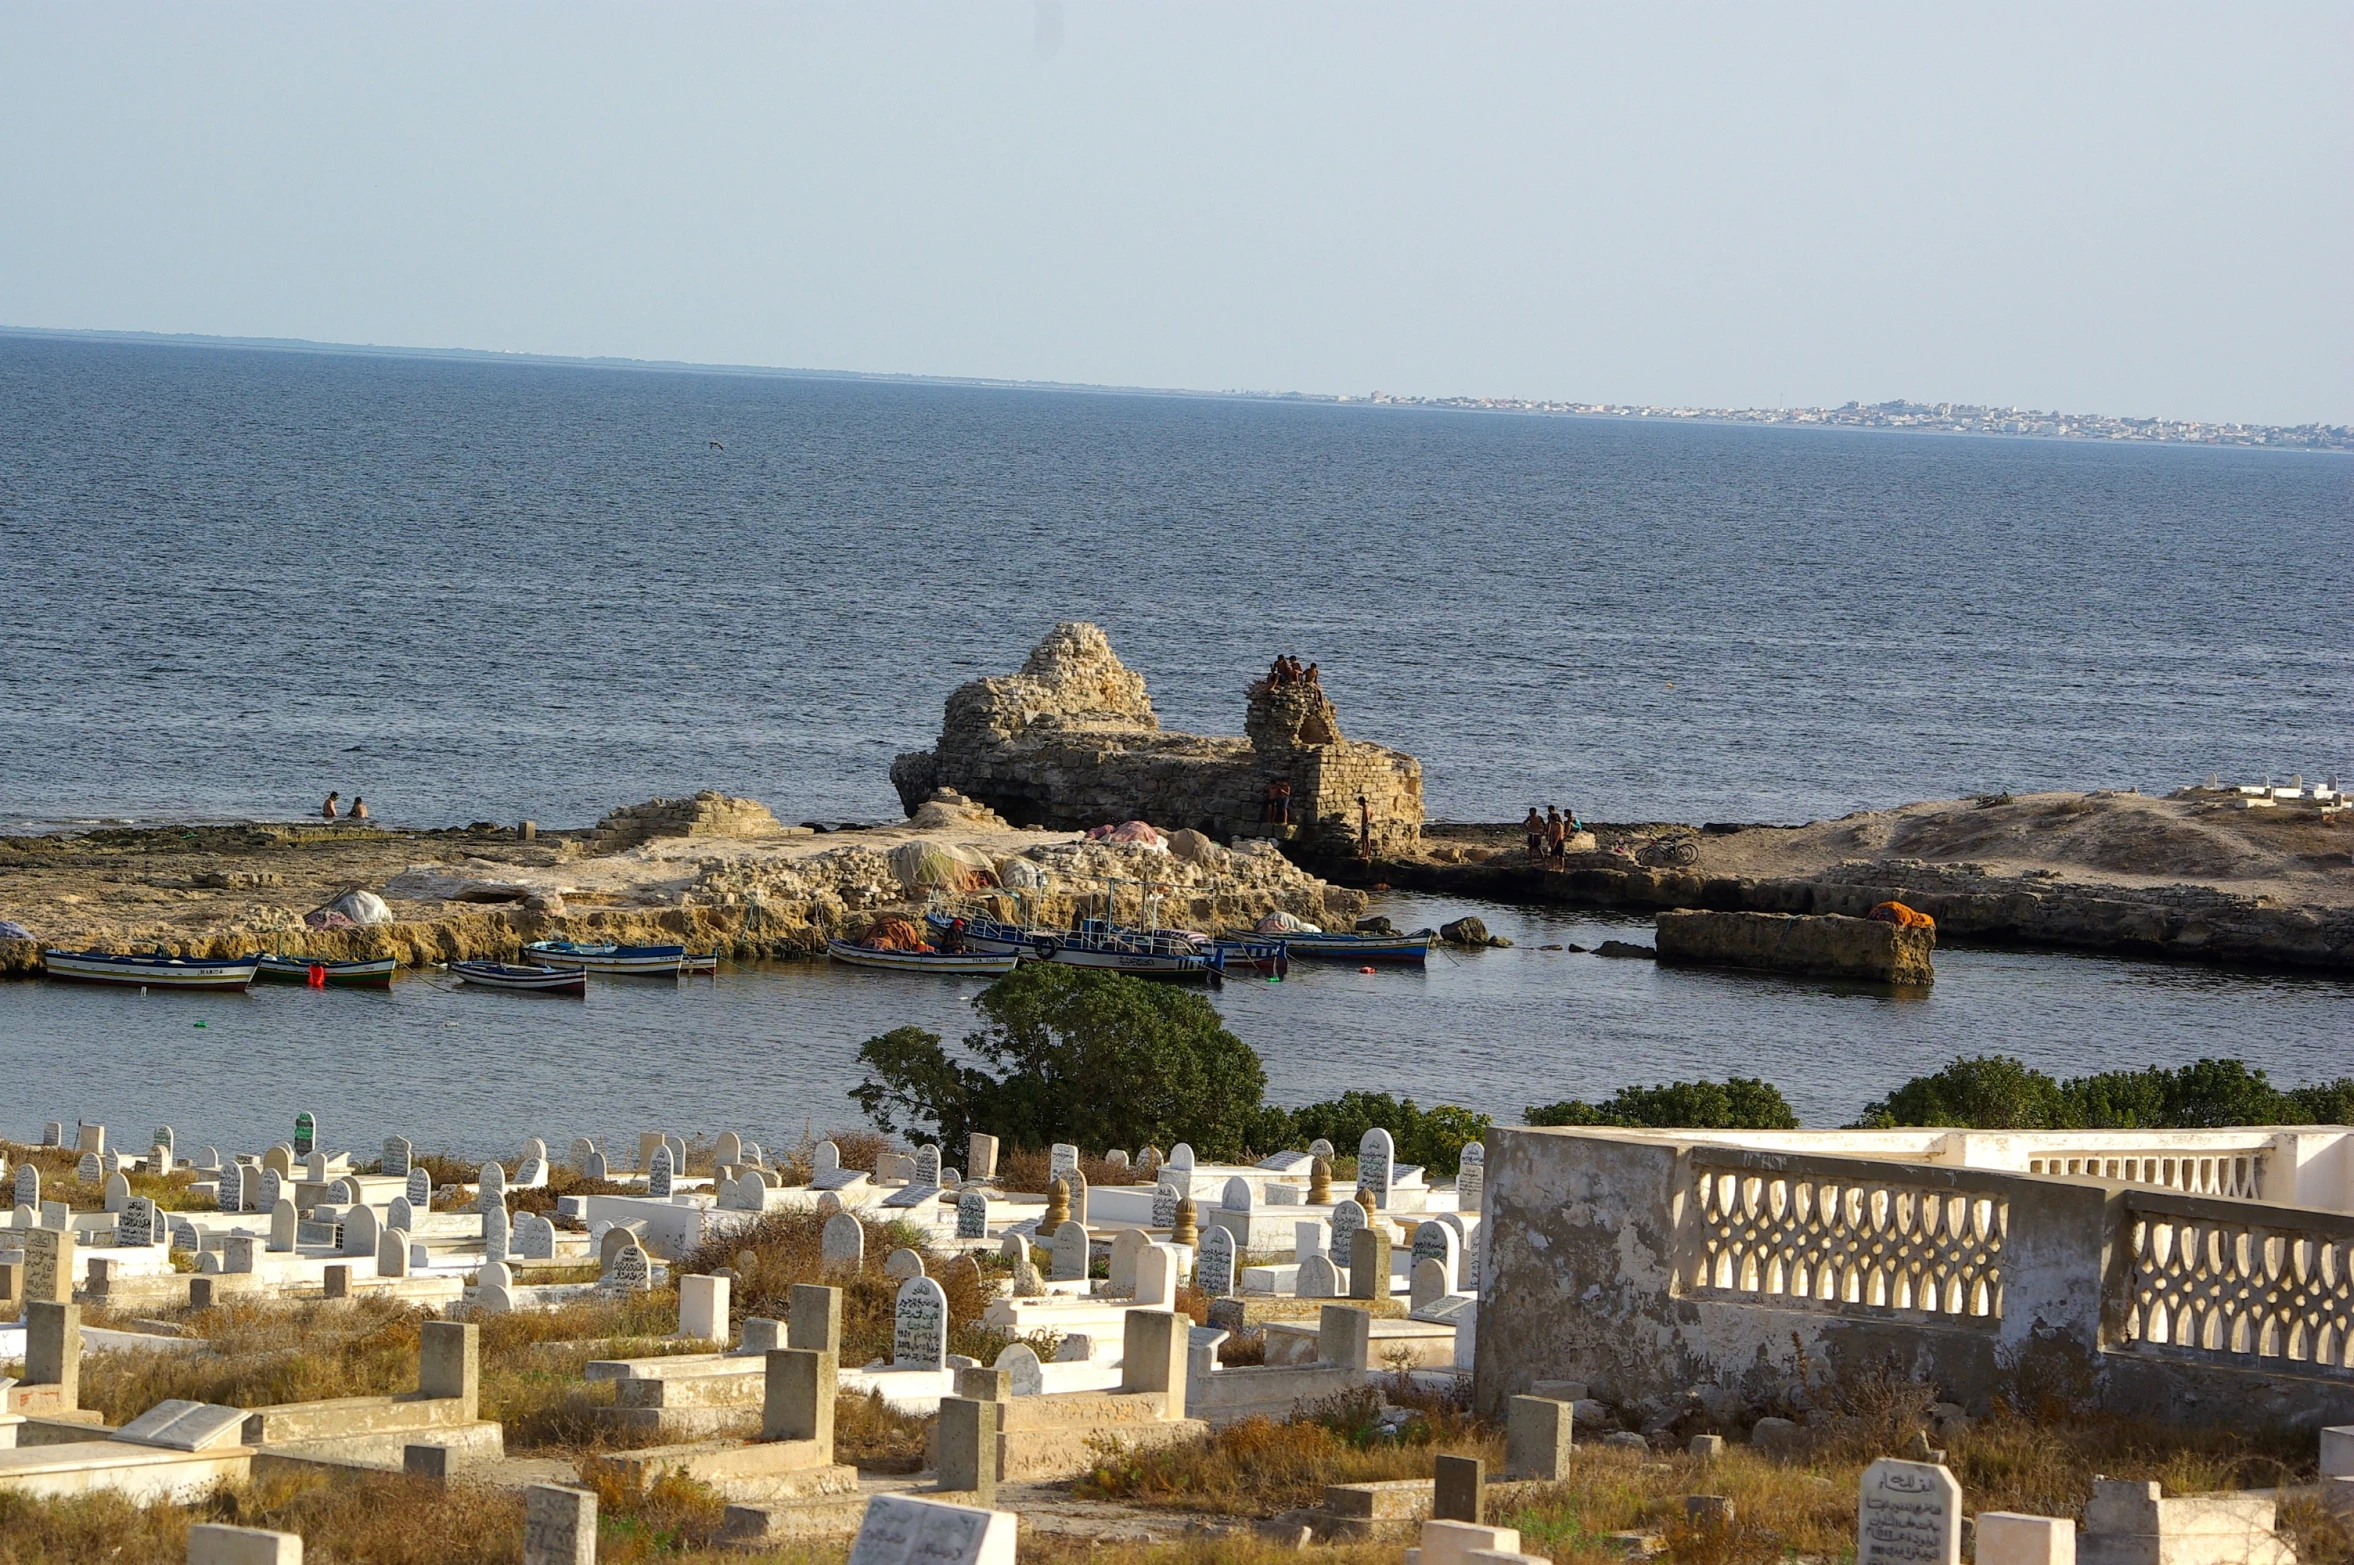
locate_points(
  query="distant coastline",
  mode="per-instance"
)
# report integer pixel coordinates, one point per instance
(1940, 418)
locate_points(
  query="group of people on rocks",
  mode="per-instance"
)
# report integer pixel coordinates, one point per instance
(1286, 670)
(1548, 834)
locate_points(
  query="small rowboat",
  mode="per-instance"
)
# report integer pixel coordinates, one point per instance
(1138, 953)
(962, 962)
(275, 969)
(1352, 948)
(149, 972)
(535, 979)
(626, 961)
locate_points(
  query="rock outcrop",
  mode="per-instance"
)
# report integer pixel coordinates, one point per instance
(1819, 946)
(1072, 742)
(708, 814)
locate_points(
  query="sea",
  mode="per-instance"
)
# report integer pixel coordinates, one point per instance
(471, 590)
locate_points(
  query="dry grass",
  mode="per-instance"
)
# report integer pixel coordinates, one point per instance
(264, 1354)
(60, 1169)
(1024, 1169)
(1258, 1466)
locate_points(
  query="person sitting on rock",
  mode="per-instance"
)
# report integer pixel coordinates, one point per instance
(1309, 678)
(1275, 673)
(327, 810)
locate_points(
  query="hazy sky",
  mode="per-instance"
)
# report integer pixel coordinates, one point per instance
(2132, 208)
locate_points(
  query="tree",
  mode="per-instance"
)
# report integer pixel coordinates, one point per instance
(1983, 1092)
(1067, 1054)
(1739, 1103)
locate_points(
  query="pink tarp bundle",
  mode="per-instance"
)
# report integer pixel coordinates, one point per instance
(1129, 831)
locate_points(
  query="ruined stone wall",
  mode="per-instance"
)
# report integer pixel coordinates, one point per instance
(1072, 741)
(708, 814)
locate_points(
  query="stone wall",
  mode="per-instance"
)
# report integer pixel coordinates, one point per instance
(1823, 945)
(708, 814)
(1072, 741)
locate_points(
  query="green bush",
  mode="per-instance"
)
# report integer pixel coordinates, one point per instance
(1739, 1103)
(1995, 1092)
(1073, 1055)
(1980, 1092)
(1431, 1138)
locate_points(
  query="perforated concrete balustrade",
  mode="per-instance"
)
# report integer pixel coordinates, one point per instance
(1649, 1263)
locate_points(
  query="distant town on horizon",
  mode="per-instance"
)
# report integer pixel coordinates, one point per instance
(1955, 418)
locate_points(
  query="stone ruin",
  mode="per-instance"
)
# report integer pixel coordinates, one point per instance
(1072, 742)
(708, 814)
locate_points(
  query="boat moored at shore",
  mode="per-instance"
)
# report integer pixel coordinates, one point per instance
(963, 963)
(532, 979)
(149, 972)
(649, 961)
(270, 967)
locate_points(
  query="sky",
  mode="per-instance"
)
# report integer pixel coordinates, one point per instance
(2138, 209)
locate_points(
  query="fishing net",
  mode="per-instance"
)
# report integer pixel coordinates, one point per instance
(1903, 917)
(938, 866)
(1281, 923)
(894, 934)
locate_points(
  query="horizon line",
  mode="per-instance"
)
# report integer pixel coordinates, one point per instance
(1549, 407)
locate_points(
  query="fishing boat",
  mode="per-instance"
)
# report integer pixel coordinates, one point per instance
(269, 967)
(535, 978)
(1351, 948)
(149, 972)
(984, 963)
(1140, 953)
(704, 966)
(625, 961)
(1253, 953)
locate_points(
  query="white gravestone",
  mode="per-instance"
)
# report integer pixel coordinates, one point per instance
(532, 1174)
(491, 1187)
(1376, 1160)
(1307, 1239)
(728, 1150)
(1020, 1362)
(28, 1186)
(496, 1232)
(659, 1173)
(900, 1265)
(578, 1154)
(136, 1227)
(90, 1170)
(1076, 1183)
(1437, 1242)
(1070, 1254)
(1428, 1282)
(593, 1166)
(184, 1235)
(1472, 1178)
(285, 1226)
(1127, 1244)
(1908, 1513)
(534, 1238)
(972, 1215)
(1165, 1197)
(919, 1326)
(398, 1155)
(361, 1230)
(1061, 1158)
(1347, 1218)
(392, 1253)
(1214, 1273)
(1318, 1279)
(906, 1529)
(628, 1272)
(1157, 1275)
(420, 1190)
(401, 1213)
(251, 1181)
(1181, 1158)
(841, 1244)
(927, 1165)
(1319, 1148)
(826, 1159)
(1238, 1195)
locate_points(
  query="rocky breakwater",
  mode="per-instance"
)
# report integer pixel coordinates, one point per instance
(2178, 878)
(1072, 741)
(1818, 946)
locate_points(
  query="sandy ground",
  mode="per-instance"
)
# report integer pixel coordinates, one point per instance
(2292, 855)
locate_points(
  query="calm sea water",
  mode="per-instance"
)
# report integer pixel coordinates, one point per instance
(236, 579)
(772, 1052)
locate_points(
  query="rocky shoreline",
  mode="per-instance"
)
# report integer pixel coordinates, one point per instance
(2045, 886)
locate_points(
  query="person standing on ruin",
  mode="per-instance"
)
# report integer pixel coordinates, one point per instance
(1553, 835)
(1364, 829)
(1534, 829)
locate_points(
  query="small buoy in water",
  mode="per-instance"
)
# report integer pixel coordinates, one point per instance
(200, 1024)
(1366, 970)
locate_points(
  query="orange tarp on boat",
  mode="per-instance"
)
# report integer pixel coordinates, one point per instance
(895, 934)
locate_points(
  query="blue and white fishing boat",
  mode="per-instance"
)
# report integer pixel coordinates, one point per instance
(625, 961)
(1414, 948)
(962, 963)
(150, 972)
(532, 978)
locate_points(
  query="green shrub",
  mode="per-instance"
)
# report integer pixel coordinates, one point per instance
(1073, 1055)
(1739, 1103)
(1432, 1138)
(1995, 1092)
(1980, 1092)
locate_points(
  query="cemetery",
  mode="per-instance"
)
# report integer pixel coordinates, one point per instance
(1904, 1347)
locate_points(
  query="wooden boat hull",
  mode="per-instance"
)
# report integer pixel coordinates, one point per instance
(1081, 950)
(612, 960)
(963, 963)
(530, 980)
(693, 966)
(148, 972)
(1355, 948)
(377, 974)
